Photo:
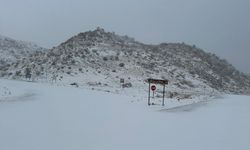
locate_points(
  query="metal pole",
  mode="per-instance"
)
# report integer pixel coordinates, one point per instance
(163, 95)
(148, 93)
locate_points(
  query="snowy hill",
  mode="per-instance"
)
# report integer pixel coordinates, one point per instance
(12, 50)
(100, 59)
(45, 117)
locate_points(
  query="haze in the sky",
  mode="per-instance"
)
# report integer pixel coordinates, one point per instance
(218, 26)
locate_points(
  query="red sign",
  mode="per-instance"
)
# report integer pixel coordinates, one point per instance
(153, 87)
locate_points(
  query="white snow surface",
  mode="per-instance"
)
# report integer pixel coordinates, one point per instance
(35, 116)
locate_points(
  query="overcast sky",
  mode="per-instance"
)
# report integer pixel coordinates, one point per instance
(218, 26)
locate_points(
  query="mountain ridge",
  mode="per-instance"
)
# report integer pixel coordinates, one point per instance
(102, 58)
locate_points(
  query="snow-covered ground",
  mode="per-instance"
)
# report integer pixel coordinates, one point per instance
(35, 116)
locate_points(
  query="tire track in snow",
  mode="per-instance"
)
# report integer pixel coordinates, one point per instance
(20, 98)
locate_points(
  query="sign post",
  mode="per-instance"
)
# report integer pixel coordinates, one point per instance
(149, 93)
(153, 88)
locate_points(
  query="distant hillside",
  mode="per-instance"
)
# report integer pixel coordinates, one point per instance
(12, 50)
(100, 59)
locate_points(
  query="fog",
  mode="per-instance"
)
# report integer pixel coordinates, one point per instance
(218, 26)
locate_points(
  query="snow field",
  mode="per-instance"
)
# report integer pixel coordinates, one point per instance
(64, 118)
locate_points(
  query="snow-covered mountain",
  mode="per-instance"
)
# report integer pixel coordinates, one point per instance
(12, 50)
(101, 59)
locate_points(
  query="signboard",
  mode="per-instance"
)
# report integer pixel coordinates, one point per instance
(122, 80)
(153, 88)
(157, 81)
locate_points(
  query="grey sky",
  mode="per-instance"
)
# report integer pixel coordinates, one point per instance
(218, 26)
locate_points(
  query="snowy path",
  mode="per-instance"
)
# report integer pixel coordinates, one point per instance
(187, 107)
(62, 118)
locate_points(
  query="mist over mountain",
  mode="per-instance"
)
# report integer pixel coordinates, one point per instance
(101, 59)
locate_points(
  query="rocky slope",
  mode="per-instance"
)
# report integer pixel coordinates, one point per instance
(100, 59)
(12, 50)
